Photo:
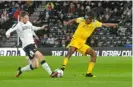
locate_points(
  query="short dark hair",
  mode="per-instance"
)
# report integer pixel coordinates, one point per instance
(90, 15)
(23, 13)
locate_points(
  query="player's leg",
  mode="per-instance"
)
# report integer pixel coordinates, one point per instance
(31, 66)
(91, 65)
(85, 49)
(29, 61)
(72, 47)
(71, 50)
(33, 54)
(34, 63)
(43, 62)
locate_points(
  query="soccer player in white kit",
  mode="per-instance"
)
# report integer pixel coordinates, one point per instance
(24, 30)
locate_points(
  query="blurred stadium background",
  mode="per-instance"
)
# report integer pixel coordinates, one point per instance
(53, 40)
(54, 13)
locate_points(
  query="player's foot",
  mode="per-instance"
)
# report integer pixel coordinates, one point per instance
(90, 75)
(18, 72)
(62, 69)
(54, 74)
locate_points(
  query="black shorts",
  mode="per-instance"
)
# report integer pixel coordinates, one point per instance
(30, 50)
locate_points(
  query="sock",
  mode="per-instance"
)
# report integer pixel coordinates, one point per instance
(90, 67)
(64, 63)
(27, 68)
(46, 67)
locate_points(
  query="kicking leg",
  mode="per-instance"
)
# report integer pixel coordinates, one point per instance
(65, 61)
(67, 57)
(44, 64)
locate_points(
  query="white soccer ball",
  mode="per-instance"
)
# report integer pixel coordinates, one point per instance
(59, 72)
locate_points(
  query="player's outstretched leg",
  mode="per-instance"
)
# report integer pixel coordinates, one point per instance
(31, 66)
(19, 72)
(92, 53)
(71, 50)
(44, 64)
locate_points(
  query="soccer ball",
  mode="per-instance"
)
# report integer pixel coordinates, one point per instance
(59, 72)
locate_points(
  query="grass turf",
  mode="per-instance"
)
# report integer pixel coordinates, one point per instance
(110, 72)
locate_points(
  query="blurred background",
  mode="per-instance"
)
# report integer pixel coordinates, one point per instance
(53, 13)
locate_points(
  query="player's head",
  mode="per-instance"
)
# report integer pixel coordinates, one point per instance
(89, 17)
(24, 16)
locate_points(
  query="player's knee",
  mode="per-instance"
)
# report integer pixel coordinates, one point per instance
(39, 55)
(69, 53)
(72, 51)
(35, 66)
(94, 54)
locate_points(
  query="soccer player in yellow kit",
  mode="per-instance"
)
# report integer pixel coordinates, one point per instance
(84, 30)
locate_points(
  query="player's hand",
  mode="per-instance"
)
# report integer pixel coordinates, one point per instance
(43, 26)
(65, 23)
(37, 38)
(7, 35)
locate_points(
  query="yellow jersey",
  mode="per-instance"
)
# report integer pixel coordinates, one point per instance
(84, 30)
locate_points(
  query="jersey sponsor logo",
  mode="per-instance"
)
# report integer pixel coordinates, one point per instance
(25, 27)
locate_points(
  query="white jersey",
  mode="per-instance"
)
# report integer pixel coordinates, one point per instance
(24, 31)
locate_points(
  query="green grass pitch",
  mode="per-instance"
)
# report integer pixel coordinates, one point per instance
(110, 72)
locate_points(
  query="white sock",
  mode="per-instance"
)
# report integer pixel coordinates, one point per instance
(47, 68)
(27, 68)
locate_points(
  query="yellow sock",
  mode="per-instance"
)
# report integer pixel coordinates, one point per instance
(90, 67)
(65, 62)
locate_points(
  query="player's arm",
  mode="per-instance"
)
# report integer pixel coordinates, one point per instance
(76, 20)
(109, 24)
(99, 24)
(35, 35)
(9, 31)
(35, 28)
(69, 22)
(38, 28)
